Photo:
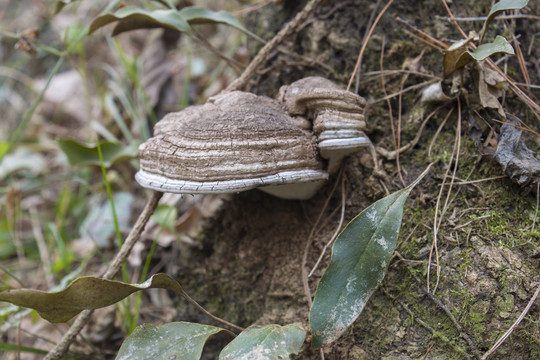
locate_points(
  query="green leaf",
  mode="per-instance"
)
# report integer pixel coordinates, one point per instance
(72, 38)
(360, 258)
(21, 348)
(498, 46)
(130, 18)
(166, 215)
(60, 5)
(195, 15)
(265, 343)
(4, 148)
(167, 3)
(83, 293)
(113, 152)
(500, 7)
(7, 248)
(177, 340)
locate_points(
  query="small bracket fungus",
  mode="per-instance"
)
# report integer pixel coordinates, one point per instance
(337, 116)
(239, 141)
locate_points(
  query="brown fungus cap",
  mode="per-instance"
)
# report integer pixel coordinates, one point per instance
(234, 142)
(337, 115)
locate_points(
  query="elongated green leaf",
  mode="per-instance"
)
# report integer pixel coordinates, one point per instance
(130, 18)
(7, 248)
(177, 340)
(20, 348)
(195, 15)
(360, 257)
(4, 148)
(500, 7)
(83, 293)
(265, 343)
(80, 154)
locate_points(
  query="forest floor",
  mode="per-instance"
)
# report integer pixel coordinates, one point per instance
(466, 262)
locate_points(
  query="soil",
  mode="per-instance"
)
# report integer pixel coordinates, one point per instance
(247, 268)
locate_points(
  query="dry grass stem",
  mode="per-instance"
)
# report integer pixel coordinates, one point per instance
(309, 242)
(42, 247)
(423, 36)
(359, 60)
(388, 104)
(439, 129)
(365, 39)
(374, 75)
(391, 155)
(407, 89)
(437, 218)
(513, 327)
(235, 65)
(253, 7)
(338, 228)
(521, 61)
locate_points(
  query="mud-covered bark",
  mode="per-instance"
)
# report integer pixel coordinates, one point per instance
(248, 269)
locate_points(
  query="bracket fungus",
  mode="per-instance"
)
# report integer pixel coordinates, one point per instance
(239, 141)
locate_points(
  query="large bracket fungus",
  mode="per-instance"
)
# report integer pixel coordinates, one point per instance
(239, 141)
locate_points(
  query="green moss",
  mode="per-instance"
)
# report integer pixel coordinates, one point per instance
(462, 268)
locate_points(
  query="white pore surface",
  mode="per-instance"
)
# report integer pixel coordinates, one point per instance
(344, 144)
(163, 184)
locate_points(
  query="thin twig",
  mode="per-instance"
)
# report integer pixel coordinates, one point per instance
(521, 61)
(359, 60)
(536, 211)
(448, 341)
(469, 182)
(251, 8)
(42, 246)
(421, 39)
(287, 30)
(367, 35)
(62, 347)
(388, 103)
(376, 73)
(235, 65)
(428, 39)
(309, 241)
(437, 217)
(456, 164)
(484, 18)
(453, 19)
(441, 305)
(400, 107)
(439, 129)
(203, 310)
(391, 155)
(338, 229)
(410, 88)
(513, 327)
